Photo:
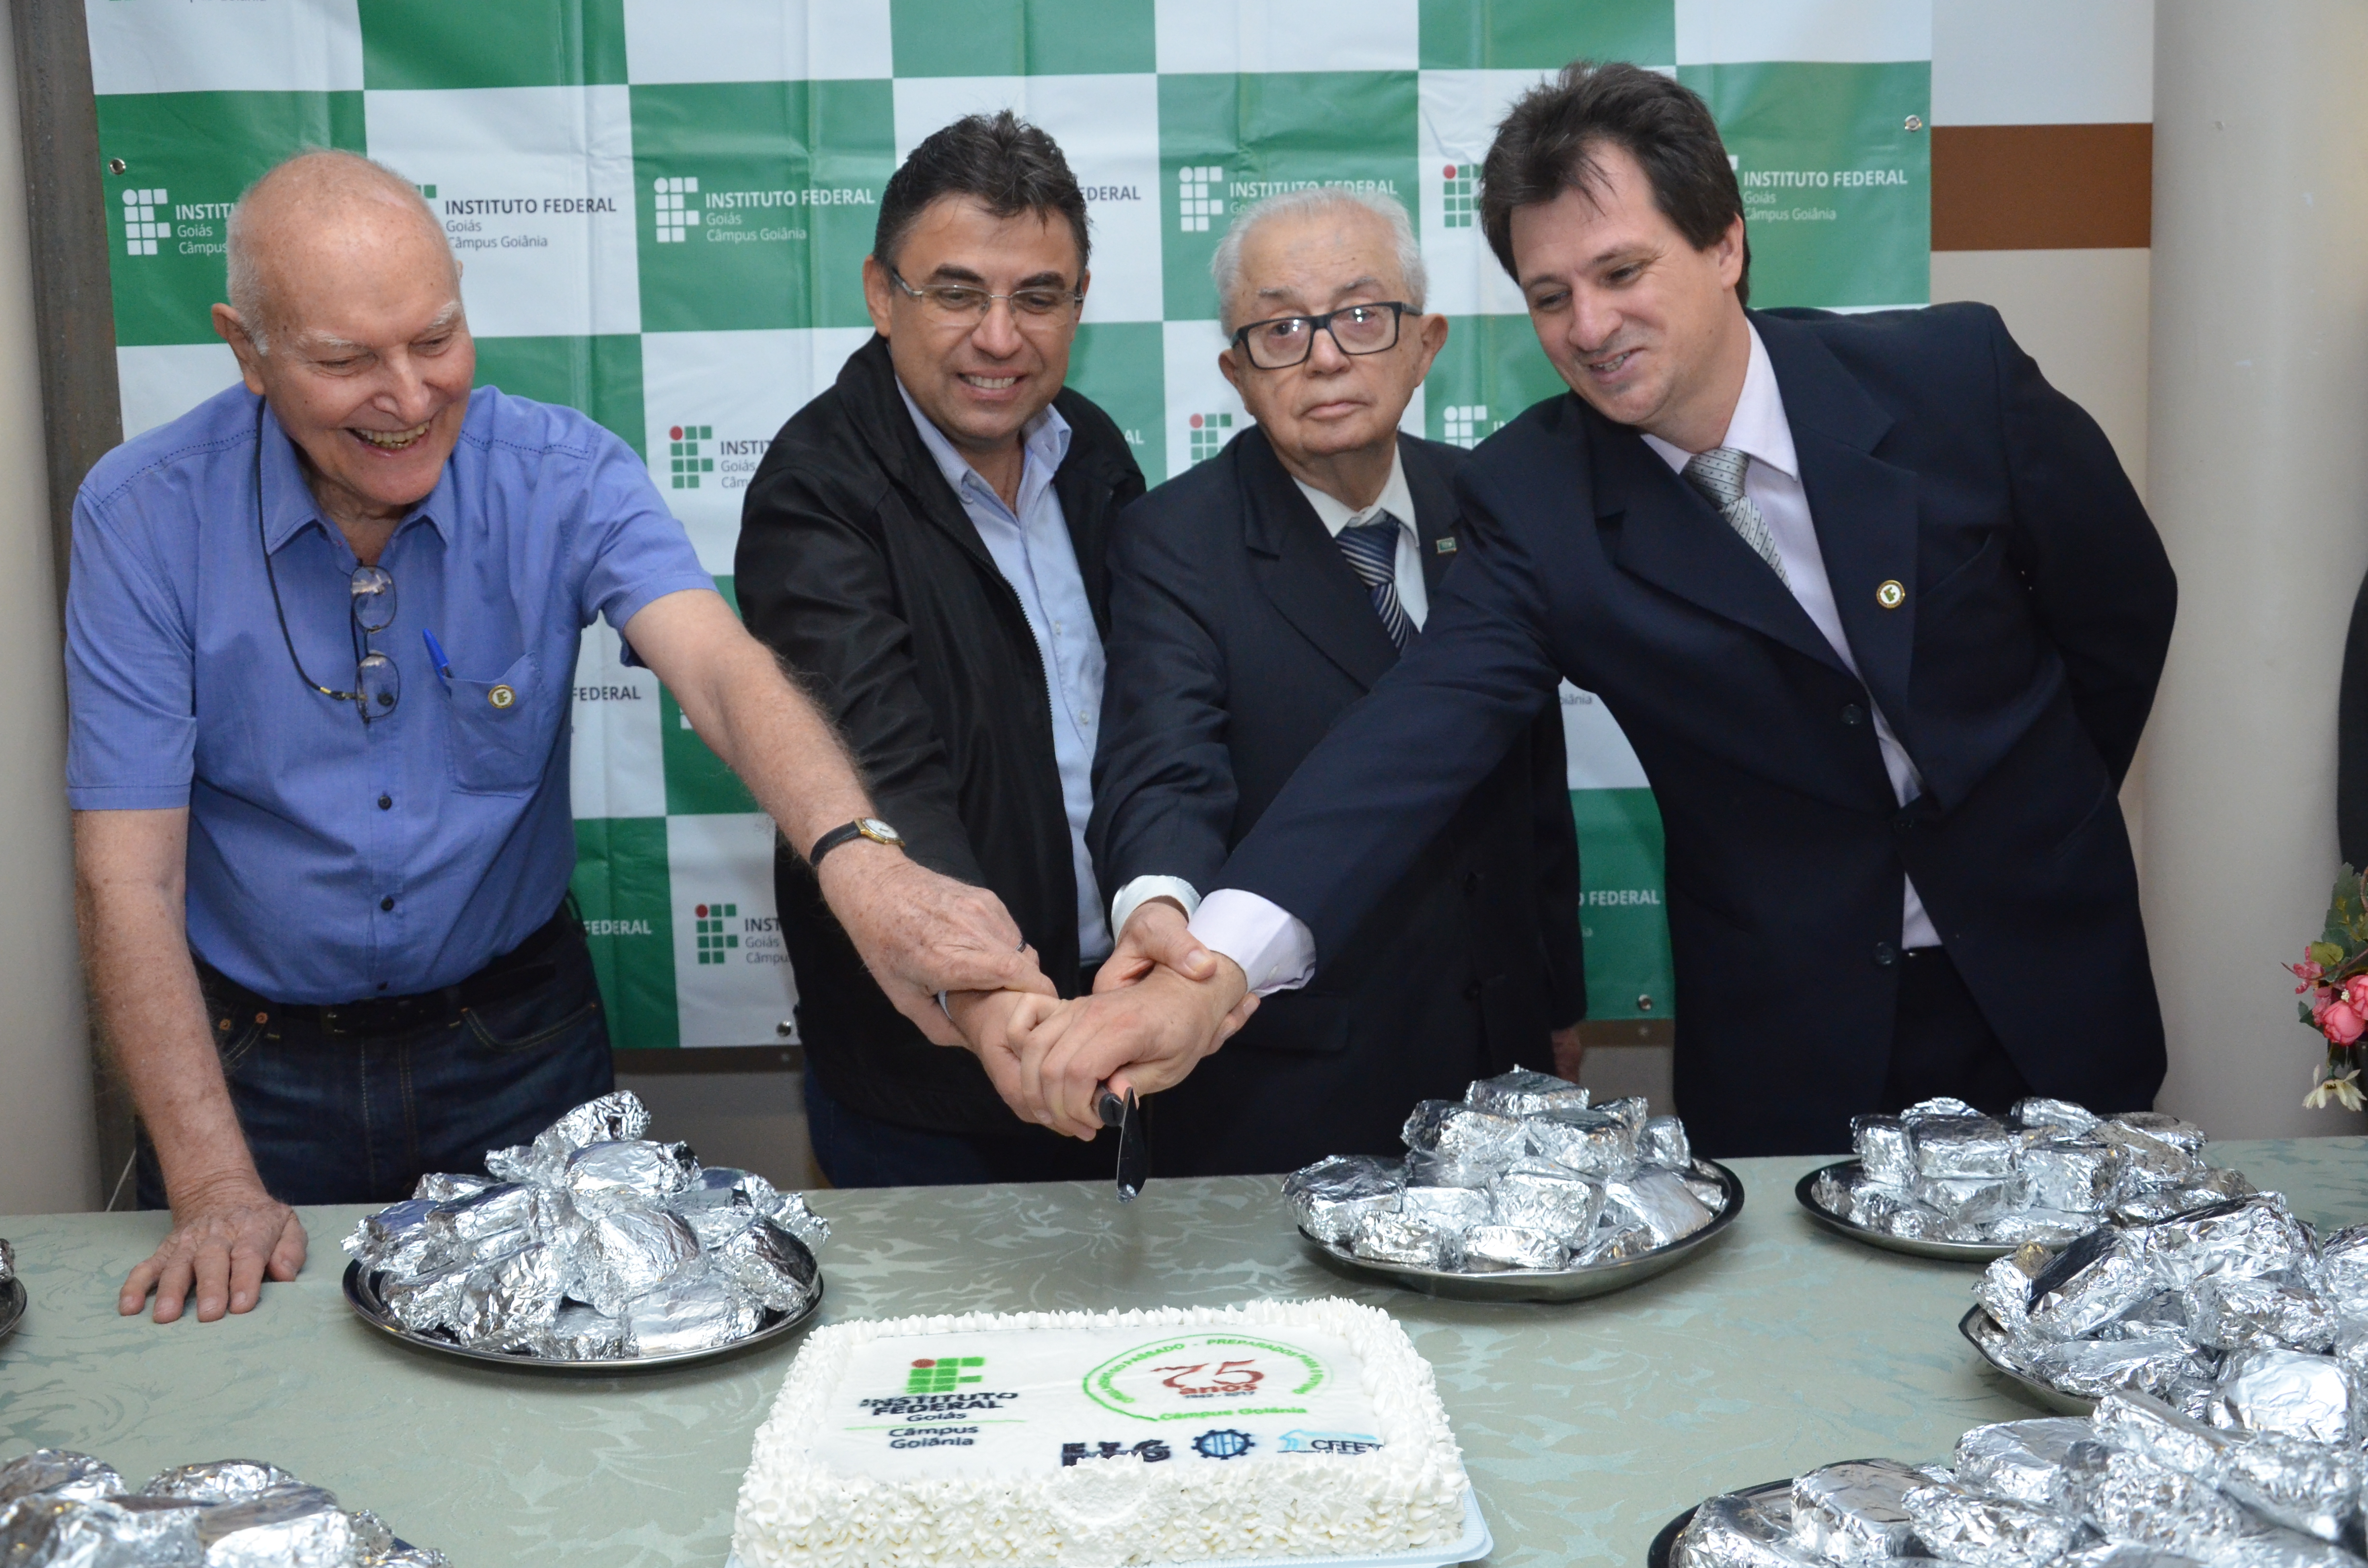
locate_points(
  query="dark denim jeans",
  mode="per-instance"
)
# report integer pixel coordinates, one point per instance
(856, 1150)
(334, 1119)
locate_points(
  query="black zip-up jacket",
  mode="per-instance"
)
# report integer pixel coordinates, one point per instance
(859, 566)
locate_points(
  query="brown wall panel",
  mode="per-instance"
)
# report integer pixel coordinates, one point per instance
(2042, 186)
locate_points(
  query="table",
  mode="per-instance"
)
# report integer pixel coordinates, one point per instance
(1585, 1426)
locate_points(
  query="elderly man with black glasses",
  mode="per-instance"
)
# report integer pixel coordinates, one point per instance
(322, 636)
(1253, 601)
(925, 538)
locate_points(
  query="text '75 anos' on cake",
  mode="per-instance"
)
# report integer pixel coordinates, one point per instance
(1272, 1429)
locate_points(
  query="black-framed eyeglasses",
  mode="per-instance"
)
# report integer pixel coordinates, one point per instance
(378, 682)
(1285, 341)
(960, 305)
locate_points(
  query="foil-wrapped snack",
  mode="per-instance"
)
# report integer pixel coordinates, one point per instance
(1403, 1238)
(2270, 1389)
(1856, 1512)
(2091, 1283)
(591, 1237)
(1942, 1171)
(1457, 1131)
(1737, 1532)
(1995, 1532)
(1594, 1143)
(1512, 1246)
(2048, 1463)
(222, 1514)
(1330, 1197)
(1524, 1093)
(1520, 1175)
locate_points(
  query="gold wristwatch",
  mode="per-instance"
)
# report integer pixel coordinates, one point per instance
(871, 828)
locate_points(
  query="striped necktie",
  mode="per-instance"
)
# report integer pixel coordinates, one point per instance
(1373, 550)
(1718, 474)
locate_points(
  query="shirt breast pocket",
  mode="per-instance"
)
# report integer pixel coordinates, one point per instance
(500, 742)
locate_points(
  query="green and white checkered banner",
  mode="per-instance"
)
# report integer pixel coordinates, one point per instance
(662, 207)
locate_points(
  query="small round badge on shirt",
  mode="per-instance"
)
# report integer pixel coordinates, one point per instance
(1890, 594)
(502, 696)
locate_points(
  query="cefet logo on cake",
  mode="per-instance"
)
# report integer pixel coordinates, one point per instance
(1195, 1377)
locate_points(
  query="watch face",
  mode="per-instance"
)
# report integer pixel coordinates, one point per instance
(877, 831)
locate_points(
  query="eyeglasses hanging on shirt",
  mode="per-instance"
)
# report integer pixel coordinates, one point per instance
(378, 682)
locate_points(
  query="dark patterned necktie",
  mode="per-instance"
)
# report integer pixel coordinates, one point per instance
(1718, 474)
(1373, 550)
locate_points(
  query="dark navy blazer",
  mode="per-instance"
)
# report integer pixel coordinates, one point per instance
(2018, 672)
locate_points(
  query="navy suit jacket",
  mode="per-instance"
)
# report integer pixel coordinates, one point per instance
(1238, 635)
(2018, 672)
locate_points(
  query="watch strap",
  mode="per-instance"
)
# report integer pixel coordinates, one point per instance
(844, 832)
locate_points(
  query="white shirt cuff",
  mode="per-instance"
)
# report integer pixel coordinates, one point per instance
(1275, 948)
(1141, 890)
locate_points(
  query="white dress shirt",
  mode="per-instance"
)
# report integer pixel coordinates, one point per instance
(1275, 948)
(1414, 598)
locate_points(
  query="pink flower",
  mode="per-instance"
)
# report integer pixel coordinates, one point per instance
(2309, 972)
(2341, 1023)
(2355, 991)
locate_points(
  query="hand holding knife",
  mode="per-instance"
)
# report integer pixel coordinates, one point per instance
(1134, 1149)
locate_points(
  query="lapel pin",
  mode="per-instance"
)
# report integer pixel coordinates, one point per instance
(501, 697)
(1890, 594)
(1445, 545)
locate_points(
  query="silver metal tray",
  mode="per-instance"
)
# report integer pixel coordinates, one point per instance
(362, 1294)
(12, 1305)
(1560, 1285)
(1473, 1545)
(1953, 1251)
(1982, 1332)
(1658, 1554)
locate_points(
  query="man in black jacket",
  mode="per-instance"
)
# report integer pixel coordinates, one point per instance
(1253, 600)
(1876, 605)
(924, 542)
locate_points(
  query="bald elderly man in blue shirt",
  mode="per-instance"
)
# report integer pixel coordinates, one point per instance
(320, 640)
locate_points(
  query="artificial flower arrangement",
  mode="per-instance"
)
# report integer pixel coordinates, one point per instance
(2334, 991)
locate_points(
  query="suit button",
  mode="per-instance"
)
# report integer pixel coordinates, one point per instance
(1852, 714)
(1903, 823)
(1886, 954)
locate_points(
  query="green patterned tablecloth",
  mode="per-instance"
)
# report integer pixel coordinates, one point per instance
(1584, 1425)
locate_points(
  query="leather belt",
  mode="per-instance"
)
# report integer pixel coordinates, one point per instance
(531, 963)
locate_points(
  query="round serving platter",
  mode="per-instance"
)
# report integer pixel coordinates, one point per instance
(1658, 1554)
(1982, 1332)
(1558, 1285)
(12, 1305)
(1953, 1251)
(362, 1294)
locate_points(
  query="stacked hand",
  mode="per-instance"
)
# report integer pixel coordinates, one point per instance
(1161, 1003)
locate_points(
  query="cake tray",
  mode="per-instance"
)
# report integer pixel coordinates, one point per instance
(362, 1294)
(1556, 1285)
(1658, 1554)
(12, 1305)
(1913, 1246)
(1473, 1544)
(1983, 1332)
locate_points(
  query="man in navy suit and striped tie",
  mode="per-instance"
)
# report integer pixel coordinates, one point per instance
(1253, 601)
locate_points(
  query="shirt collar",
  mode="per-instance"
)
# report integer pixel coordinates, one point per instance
(1396, 499)
(1758, 426)
(288, 506)
(1044, 438)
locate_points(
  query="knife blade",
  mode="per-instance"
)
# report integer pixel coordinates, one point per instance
(1134, 1149)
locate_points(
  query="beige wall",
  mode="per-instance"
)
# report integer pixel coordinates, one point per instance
(48, 1148)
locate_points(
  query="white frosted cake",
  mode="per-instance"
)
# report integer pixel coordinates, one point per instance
(1085, 1439)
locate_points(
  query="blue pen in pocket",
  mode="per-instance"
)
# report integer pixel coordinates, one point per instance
(442, 665)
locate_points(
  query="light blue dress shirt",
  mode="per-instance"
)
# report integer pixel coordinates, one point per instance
(329, 860)
(1031, 547)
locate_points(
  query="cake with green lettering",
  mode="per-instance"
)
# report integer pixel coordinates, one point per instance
(1273, 1429)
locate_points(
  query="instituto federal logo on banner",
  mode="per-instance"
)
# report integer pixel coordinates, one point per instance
(1459, 210)
(673, 211)
(1209, 433)
(685, 460)
(150, 219)
(1194, 184)
(713, 939)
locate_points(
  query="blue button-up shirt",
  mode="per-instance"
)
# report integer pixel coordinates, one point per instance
(1031, 547)
(331, 860)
